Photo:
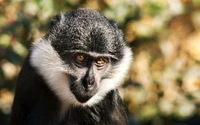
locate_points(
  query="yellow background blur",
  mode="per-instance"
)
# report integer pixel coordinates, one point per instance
(163, 86)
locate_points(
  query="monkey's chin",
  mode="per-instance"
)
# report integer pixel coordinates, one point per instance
(81, 95)
(83, 99)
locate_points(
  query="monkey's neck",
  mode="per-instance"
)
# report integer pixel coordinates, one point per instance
(110, 110)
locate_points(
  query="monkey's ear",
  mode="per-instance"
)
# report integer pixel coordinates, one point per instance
(53, 21)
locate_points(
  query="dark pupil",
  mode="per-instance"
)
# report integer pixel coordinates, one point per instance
(80, 58)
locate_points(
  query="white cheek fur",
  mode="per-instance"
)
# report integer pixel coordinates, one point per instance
(107, 85)
(50, 66)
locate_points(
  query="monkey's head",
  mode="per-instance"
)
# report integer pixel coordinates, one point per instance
(82, 57)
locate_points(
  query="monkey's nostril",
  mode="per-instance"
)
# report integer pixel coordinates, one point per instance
(88, 83)
(88, 86)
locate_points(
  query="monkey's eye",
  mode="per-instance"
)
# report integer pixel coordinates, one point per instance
(80, 58)
(100, 62)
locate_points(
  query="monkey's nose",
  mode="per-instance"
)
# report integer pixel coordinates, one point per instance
(88, 84)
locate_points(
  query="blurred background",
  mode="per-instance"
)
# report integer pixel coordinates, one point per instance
(163, 85)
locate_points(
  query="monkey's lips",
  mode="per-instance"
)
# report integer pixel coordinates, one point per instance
(82, 99)
(81, 94)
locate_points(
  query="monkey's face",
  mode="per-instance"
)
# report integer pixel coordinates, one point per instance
(89, 69)
(82, 58)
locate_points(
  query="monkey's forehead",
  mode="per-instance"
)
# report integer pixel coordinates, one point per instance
(86, 30)
(101, 46)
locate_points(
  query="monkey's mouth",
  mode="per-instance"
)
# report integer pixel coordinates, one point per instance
(82, 98)
(81, 94)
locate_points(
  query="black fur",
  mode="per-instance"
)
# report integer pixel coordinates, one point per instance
(36, 104)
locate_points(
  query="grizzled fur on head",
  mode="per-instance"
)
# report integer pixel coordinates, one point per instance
(72, 74)
(89, 31)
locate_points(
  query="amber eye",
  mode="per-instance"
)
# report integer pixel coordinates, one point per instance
(80, 58)
(100, 61)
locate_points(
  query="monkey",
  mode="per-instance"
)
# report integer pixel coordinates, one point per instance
(72, 74)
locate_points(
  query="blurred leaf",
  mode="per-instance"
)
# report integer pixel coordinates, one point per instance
(20, 49)
(9, 70)
(6, 99)
(149, 112)
(4, 40)
(196, 1)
